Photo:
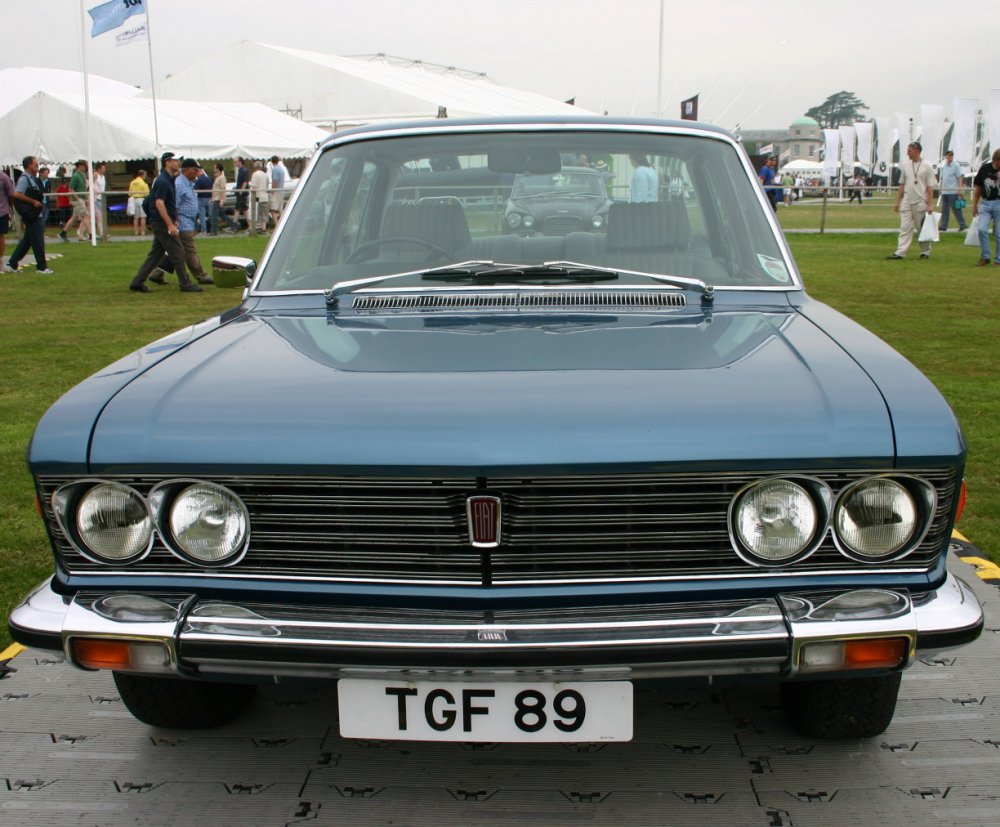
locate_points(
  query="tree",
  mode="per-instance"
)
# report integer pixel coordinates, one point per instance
(839, 108)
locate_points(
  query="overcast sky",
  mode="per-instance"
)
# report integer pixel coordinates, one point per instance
(756, 65)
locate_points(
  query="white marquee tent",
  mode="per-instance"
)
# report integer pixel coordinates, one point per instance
(19, 84)
(52, 125)
(343, 91)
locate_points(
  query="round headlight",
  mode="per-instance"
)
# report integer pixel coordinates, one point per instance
(774, 521)
(209, 523)
(513, 219)
(529, 221)
(876, 518)
(597, 221)
(114, 523)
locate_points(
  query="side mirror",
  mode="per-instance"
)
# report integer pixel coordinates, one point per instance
(233, 271)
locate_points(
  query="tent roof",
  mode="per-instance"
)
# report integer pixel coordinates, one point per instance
(802, 165)
(52, 126)
(330, 88)
(19, 84)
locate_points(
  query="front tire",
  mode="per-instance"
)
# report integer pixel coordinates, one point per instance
(844, 708)
(175, 703)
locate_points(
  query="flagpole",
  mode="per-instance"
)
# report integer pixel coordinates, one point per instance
(659, 69)
(86, 126)
(152, 77)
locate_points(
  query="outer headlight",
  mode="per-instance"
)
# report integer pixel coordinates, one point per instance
(774, 521)
(876, 518)
(209, 524)
(113, 523)
(513, 219)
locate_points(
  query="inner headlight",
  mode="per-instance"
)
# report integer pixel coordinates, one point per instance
(597, 221)
(529, 220)
(113, 523)
(209, 523)
(876, 518)
(774, 521)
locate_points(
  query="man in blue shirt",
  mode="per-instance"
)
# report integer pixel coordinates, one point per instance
(952, 186)
(162, 223)
(203, 187)
(187, 218)
(30, 193)
(766, 175)
(645, 182)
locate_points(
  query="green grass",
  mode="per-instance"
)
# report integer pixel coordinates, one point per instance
(58, 330)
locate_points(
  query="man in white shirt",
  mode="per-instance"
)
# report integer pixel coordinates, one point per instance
(259, 197)
(914, 200)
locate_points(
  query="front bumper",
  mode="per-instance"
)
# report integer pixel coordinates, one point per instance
(221, 639)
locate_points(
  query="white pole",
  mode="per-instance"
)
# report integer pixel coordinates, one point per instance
(152, 78)
(86, 114)
(659, 68)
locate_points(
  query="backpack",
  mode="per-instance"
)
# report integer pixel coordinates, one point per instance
(29, 212)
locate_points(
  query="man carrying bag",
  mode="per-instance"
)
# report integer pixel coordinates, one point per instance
(29, 201)
(914, 200)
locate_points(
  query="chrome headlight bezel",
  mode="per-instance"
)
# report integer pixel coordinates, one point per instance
(819, 496)
(66, 502)
(924, 498)
(163, 498)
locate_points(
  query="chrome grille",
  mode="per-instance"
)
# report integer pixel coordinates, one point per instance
(561, 225)
(584, 299)
(570, 528)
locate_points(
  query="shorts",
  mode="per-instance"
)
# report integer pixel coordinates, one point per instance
(4, 224)
(275, 201)
(80, 209)
(241, 201)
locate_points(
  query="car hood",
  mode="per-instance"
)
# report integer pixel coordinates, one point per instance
(308, 391)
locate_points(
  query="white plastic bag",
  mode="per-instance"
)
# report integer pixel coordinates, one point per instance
(130, 207)
(972, 236)
(929, 230)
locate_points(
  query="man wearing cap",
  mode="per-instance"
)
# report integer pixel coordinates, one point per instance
(163, 224)
(81, 208)
(188, 211)
(914, 200)
(950, 175)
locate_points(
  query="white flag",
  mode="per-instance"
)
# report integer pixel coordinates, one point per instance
(132, 34)
(863, 130)
(931, 131)
(832, 137)
(907, 132)
(963, 136)
(847, 149)
(886, 137)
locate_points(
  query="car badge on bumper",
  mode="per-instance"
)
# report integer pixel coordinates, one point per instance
(483, 512)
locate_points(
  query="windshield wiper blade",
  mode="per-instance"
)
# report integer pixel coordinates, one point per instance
(548, 269)
(465, 268)
(683, 282)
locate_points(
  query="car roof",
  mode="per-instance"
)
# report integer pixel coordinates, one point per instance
(431, 126)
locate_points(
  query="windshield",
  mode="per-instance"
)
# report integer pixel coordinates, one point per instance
(674, 205)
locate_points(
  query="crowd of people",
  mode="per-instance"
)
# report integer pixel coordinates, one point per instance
(195, 203)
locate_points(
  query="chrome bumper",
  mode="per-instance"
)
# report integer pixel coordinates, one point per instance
(210, 638)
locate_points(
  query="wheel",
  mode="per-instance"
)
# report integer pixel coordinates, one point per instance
(845, 708)
(375, 243)
(175, 703)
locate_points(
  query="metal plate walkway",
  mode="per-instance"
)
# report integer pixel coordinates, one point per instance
(70, 754)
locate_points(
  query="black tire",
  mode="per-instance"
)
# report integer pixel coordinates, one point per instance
(175, 703)
(844, 708)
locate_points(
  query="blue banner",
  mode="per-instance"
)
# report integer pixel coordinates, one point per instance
(113, 14)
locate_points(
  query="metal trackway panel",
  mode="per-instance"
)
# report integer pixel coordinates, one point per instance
(71, 754)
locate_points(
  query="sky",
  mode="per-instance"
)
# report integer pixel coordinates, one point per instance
(754, 66)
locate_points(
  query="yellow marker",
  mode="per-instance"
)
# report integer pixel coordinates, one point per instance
(958, 535)
(11, 651)
(986, 569)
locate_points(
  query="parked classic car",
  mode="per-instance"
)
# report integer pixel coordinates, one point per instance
(571, 200)
(489, 482)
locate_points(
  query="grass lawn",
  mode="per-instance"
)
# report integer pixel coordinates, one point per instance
(57, 330)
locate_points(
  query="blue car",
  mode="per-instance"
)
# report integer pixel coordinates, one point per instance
(488, 482)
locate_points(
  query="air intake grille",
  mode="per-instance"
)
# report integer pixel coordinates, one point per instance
(573, 528)
(563, 299)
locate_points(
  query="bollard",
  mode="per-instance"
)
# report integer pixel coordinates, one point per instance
(822, 217)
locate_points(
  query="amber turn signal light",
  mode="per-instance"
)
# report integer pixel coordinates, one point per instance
(121, 655)
(873, 654)
(962, 494)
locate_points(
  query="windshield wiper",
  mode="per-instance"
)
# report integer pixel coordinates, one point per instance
(490, 271)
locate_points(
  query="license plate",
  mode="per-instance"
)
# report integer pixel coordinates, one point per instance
(493, 712)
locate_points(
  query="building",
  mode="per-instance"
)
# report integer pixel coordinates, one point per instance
(803, 140)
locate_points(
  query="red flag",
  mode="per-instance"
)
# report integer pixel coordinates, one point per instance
(689, 109)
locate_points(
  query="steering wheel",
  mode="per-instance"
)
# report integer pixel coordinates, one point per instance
(398, 239)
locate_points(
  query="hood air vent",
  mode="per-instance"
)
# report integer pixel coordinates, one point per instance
(561, 300)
